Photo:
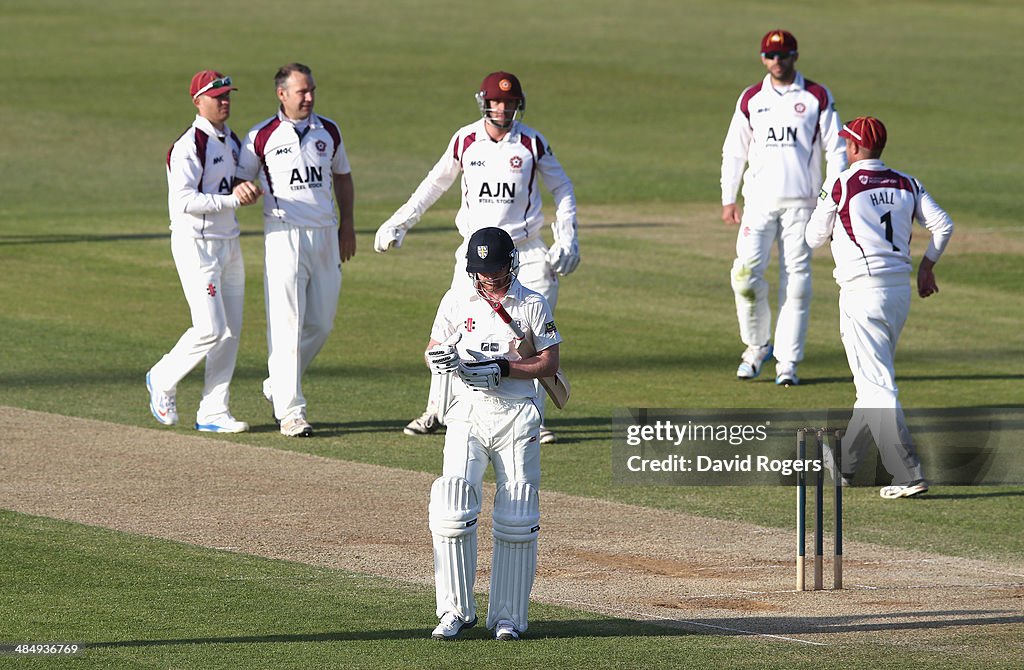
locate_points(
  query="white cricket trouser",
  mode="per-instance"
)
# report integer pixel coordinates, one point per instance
(301, 282)
(485, 430)
(759, 231)
(212, 276)
(535, 273)
(872, 312)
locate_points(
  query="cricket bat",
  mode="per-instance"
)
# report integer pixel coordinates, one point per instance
(557, 387)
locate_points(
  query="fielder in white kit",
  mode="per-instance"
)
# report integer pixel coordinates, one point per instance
(500, 160)
(300, 158)
(202, 195)
(780, 129)
(876, 207)
(495, 418)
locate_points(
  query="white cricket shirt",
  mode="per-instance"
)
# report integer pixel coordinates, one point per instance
(483, 331)
(500, 184)
(200, 175)
(876, 207)
(296, 169)
(781, 135)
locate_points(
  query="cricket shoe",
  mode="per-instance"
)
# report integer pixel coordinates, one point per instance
(506, 631)
(546, 436)
(752, 361)
(162, 405)
(904, 490)
(295, 425)
(221, 423)
(450, 626)
(785, 374)
(428, 424)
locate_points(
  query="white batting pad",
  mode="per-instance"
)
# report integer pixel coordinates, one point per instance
(440, 397)
(516, 524)
(454, 511)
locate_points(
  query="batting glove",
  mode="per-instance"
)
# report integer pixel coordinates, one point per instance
(483, 375)
(443, 358)
(564, 258)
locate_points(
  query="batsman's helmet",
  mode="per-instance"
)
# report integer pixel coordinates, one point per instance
(867, 131)
(503, 86)
(491, 250)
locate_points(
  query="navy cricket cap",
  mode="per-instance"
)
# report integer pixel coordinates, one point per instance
(489, 250)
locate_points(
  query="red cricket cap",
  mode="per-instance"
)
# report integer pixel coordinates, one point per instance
(501, 86)
(867, 131)
(778, 40)
(211, 83)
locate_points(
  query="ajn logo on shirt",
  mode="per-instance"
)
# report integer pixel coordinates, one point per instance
(313, 174)
(499, 190)
(784, 134)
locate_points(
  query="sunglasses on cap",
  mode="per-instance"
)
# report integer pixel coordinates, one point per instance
(216, 83)
(772, 55)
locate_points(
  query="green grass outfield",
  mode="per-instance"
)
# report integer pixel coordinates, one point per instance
(635, 98)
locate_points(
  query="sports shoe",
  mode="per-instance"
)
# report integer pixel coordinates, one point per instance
(904, 490)
(506, 631)
(752, 361)
(546, 436)
(221, 423)
(785, 374)
(450, 626)
(428, 424)
(162, 405)
(295, 425)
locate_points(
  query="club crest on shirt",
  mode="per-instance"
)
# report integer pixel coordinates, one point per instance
(516, 162)
(481, 251)
(799, 108)
(321, 147)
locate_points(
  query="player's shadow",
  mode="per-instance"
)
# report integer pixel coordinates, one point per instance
(812, 381)
(569, 431)
(350, 428)
(773, 626)
(8, 240)
(969, 496)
